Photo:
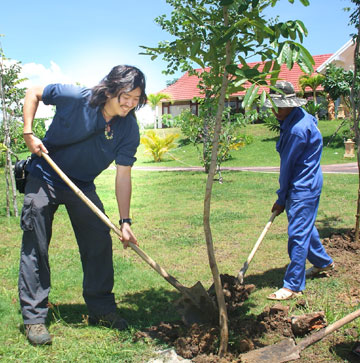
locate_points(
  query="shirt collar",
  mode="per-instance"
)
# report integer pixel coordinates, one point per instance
(290, 118)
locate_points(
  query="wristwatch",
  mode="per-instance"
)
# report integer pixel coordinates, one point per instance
(125, 220)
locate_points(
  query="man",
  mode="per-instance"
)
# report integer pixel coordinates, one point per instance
(300, 147)
(91, 128)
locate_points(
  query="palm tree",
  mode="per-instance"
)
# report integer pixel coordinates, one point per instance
(154, 100)
(313, 82)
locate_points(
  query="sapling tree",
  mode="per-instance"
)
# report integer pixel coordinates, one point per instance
(355, 100)
(217, 35)
(11, 109)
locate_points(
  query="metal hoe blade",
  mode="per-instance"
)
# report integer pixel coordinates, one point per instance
(200, 308)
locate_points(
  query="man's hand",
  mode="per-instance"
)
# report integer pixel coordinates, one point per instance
(127, 235)
(34, 144)
(277, 208)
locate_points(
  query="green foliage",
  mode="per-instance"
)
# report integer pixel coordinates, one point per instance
(313, 108)
(217, 36)
(13, 93)
(199, 130)
(338, 82)
(17, 143)
(347, 133)
(156, 145)
(201, 35)
(311, 81)
(167, 120)
(271, 122)
(11, 99)
(155, 98)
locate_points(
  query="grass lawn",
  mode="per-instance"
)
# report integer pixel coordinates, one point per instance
(261, 152)
(167, 212)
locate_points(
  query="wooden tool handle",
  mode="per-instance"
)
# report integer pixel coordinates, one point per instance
(260, 239)
(312, 338)
(255, 248)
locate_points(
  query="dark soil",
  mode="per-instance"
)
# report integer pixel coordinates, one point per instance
(200, 342)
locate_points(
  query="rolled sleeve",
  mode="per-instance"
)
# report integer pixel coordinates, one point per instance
(127, 150)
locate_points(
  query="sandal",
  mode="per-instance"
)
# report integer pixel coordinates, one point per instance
(283, 294)
(313, 271)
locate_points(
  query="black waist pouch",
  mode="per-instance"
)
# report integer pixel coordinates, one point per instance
(20, 174)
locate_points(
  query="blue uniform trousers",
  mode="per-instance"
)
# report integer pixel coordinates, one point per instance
(304, 241)
(94, 241)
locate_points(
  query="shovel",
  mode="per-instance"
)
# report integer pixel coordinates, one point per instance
(198, 302)
(242, 272)
(287, 350)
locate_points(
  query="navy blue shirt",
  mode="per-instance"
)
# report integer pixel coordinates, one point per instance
(300, 147)
(82, 129)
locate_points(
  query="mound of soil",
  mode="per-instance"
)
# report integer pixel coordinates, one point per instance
(200, 342)
(340, 242)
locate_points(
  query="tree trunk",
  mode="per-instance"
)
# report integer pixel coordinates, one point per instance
(206, 137)
(13, 186)
(7, 183)
(354, 104)
(223, 319)
(330, 108)
(358, 201)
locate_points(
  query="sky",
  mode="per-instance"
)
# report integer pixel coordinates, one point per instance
(80, 41)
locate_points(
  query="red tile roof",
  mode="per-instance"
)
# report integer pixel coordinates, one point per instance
(185, 88)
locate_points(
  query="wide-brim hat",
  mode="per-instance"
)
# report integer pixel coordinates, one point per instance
(287, 98)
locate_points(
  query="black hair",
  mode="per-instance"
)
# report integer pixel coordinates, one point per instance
(121, 79)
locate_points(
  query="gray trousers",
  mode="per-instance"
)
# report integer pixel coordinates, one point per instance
(94, 241)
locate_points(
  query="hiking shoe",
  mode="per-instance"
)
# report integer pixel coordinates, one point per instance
(313, 271)
(37, 334)
(110, 320)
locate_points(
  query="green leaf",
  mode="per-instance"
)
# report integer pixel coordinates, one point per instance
(198, 61)
(226, 2)
(195, 48)
(301, 30)
(248, 73)
(284, 53)
(243, 7)
(267, 67)
(289, 58)
(242, 60)
(262, 98)
(192, 16)
(227, 36)
(248, 96)
(253, 96)
(305, 2)
(306, 54)
(284, 30)
(232, 68)
(240, 82)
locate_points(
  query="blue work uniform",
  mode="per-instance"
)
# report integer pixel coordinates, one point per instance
(77, 143)
(300, 147)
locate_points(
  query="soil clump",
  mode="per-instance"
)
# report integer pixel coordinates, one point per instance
(200, 342)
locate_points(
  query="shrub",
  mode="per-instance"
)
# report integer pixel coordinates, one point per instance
(156, 145)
